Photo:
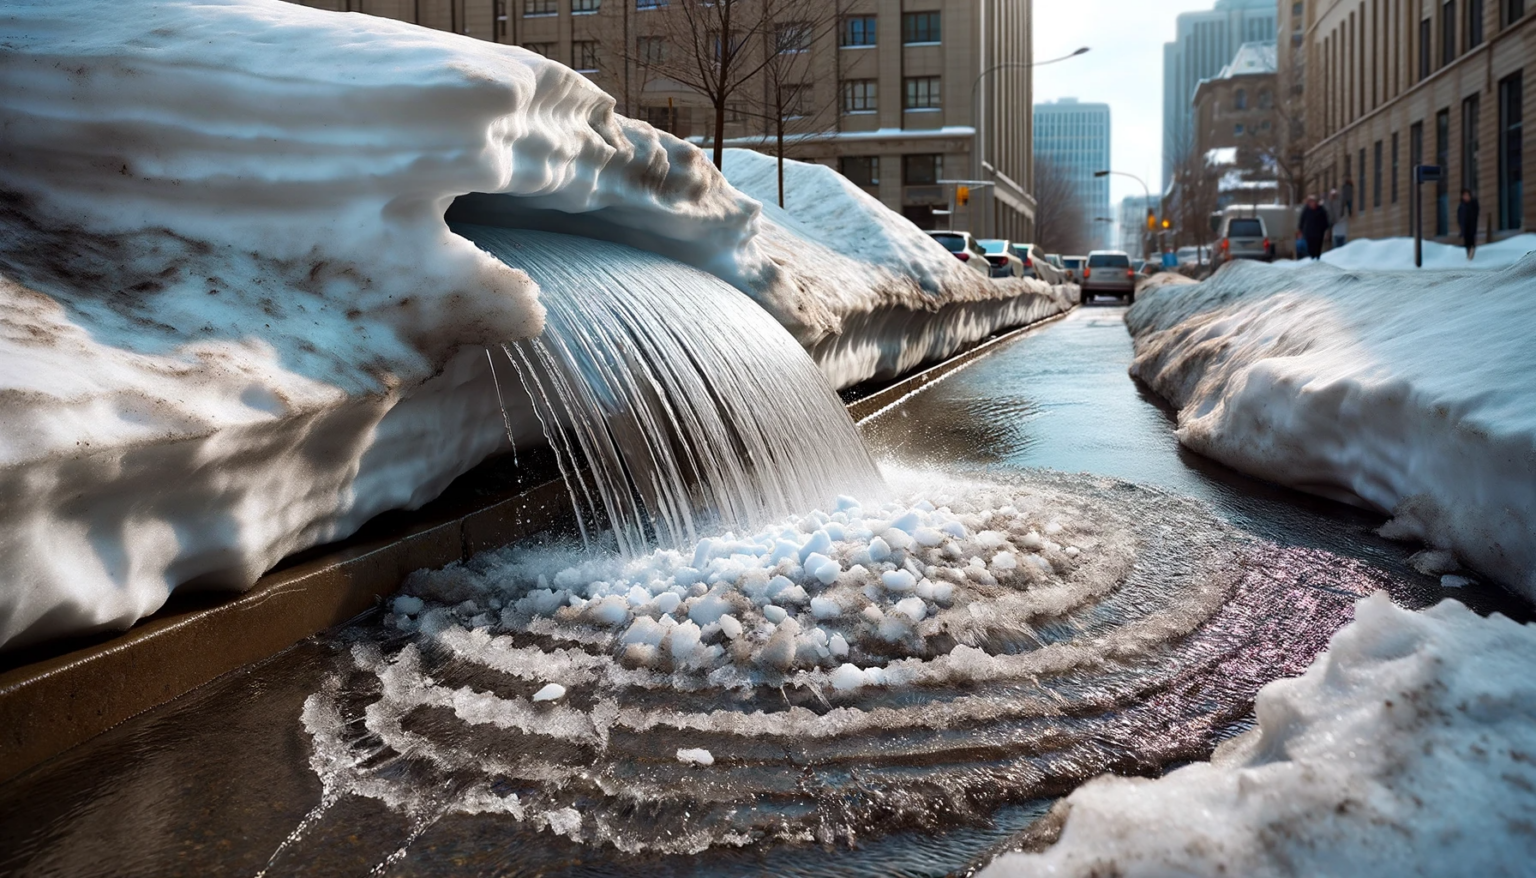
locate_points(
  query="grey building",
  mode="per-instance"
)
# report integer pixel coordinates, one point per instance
(1204, 44)
(1134, 235)
(1074, 138)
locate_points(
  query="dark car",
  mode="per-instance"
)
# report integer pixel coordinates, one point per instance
(1109, 273)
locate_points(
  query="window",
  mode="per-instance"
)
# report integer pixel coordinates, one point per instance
(1511, 176)
(1471, 111)
(1245, 228)
(538, 7)
(737, 41)
(650, 4)
(1240, 100)
(859, 96)
(921, 170)
(922, 93)
(1296, 13)
(858, 30)
(545, 49)
(1424, 53)
(920, 27)
(795, 100)
(651, 50)
(1375, 177)
(584, 54)
(792, 37)
(861, 170)
(1513, 10)
(1361, 193)
(1237, 129)
(1396, 167)
(1442, 158)
(585, 7)
(1447, 32)
(1266, 99)
(664, 118)
(1474, 23)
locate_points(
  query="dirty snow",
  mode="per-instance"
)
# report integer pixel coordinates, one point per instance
(1397, 253)
(1408, 748)
(1408, 392)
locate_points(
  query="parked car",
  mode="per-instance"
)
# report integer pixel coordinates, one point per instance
(1055, 259)
(1109, 273)
(1073, 266)
(1192, 255)
(1244, 237)
(1002, 258)
(1038, 265)
(965, 249)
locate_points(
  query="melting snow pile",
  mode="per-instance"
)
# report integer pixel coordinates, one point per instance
(225, 276)
(1409, 748)
(1411, 392)
(873, 295)
(1397, 253)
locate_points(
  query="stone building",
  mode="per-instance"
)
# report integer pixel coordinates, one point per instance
(1389, 84)
(1204, 43)
(1236, 107)
(890, 90)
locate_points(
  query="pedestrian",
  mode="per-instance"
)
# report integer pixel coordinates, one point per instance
(1340, 232)
(1335, 207)
(1313, 226)
(1348, 207)
(1466, 217)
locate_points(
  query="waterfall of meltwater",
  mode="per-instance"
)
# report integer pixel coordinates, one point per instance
(671, 399)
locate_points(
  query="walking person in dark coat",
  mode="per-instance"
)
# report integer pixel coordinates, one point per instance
(1313, 226)
(1466, 217)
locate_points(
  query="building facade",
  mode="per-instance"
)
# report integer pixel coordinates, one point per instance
(908, 98)
(1236, 107)
(1134, 235)
(1074, 137)
(1204, 44)
(1391, 84)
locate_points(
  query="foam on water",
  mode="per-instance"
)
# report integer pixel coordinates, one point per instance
(676, 404)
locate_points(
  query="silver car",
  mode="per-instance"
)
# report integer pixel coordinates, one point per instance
(1005, 263)
(1109, 273)
(965, 249)
(1244, 237)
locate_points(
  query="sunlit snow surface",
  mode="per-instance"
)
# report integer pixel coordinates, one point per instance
(854, 672)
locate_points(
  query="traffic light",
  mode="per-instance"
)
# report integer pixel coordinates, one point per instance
(962, 195)
(1167, 225)
(1151, 220)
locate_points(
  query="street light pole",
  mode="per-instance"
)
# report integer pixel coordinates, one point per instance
(1145, 188)
(976, 148)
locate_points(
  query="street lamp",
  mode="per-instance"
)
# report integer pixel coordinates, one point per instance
(976, 159)
(1145, 188)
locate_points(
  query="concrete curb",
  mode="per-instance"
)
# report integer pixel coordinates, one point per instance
(50, 705)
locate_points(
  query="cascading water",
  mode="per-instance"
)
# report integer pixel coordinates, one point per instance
(667, 395)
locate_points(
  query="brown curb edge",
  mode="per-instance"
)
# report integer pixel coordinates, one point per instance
(52, 704)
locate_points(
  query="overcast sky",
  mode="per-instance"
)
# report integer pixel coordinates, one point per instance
(1124, 68)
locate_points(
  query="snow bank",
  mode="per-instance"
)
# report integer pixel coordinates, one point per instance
(869, 294)
(1408, 748)
(226, 277)
(1397, 253)
(1409, 392)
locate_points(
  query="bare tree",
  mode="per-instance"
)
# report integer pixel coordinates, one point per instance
(789, 96)
(718, 49)
(1060, 222)
(1194, 195)
(1280, 148)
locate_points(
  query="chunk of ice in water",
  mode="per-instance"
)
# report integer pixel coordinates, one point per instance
(566, 822)
(823, 568)
(879, 550)
(406, 605)
(837, 644)
(825, 608)
(912, 608)
(1451, 580)
(708, 609)
(552, 692)
(820, 542)
(847, 676)
(695, 756)
(898, 580)
(775, 614)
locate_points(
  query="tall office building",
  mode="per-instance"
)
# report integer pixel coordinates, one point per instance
(1205, 42)
(1074, 138)
(890, 91)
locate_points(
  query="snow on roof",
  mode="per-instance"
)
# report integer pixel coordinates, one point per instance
(1252, 59)
(1221, 155)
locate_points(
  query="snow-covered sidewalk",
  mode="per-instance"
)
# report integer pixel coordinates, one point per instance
(1410, 392)
(1408, 748)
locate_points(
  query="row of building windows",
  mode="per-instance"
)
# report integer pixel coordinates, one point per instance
(916, 170)
(857, 31)
(1376, 30)
(1384, 162)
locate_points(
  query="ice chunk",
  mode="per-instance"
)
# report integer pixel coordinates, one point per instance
(644, 630)
(566, 822)
(695, 756)
(927, 537)
(823, 568)
(820, 542)
(837, 644)
(775, 614)
(551, 692)
(730, 626)
(1004, 561)
(879, 550)
(825, 608)
(898, 580)
(407, 605)
(847, 676)
(913, 608)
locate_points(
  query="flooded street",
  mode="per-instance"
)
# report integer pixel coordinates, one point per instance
(408, 748)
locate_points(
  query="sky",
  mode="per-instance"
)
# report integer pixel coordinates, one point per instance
(1123, 68)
